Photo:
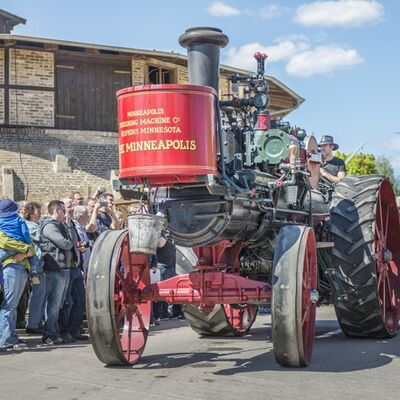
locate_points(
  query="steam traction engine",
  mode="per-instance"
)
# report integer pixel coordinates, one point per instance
(245, 193)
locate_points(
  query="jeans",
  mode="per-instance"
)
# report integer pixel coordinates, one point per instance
(71, 314)
(57, 287)
(15, 277)
(37, 303)
(165, 309)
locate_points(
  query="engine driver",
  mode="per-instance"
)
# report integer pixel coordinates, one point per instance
(333, 168)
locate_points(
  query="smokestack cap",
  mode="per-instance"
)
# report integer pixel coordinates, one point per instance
(203, 35)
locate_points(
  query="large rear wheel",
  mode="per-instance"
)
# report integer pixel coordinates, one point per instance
(118, 322)
(294, 296)
(366, 256)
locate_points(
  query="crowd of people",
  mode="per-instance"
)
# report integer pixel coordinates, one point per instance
(44, 257)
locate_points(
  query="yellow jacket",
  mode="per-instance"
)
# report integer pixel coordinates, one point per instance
(8, 243)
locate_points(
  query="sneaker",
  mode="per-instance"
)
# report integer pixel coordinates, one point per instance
(59, 340)
(33, 331)
(68, 338)
(53, 340)
(48, 341)
(6, 347)
(79, 336)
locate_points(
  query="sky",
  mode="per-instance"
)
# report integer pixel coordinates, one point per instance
(342, 56)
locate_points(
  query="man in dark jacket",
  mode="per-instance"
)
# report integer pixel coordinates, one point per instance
(56, 246)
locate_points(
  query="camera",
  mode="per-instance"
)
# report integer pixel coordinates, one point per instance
(82, 244)
(103, 203)
(100, 191)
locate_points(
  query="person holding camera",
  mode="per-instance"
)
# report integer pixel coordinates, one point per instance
(106, 218)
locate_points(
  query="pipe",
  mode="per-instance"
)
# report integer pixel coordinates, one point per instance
(203, 46)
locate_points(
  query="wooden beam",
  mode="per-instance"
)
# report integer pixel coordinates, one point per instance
(9, 42)
(50, 46)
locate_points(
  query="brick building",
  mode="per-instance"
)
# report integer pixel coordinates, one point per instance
(58, 117)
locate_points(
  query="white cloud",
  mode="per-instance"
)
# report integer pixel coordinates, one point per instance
(295, 37)
(220, 9)
(344, 13)
(392, 144)
(322, 60)
(272, 11)
(242, 57)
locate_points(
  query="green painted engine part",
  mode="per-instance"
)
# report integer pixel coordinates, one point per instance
(266, 146)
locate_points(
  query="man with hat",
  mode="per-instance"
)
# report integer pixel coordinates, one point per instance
(333, 168)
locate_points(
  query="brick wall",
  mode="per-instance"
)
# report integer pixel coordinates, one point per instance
(1, 83)
(1, 106)
(224, 88)
(31, 107)
(31, 153)
(32, 68)
(183, 75)
(1, 66)
(138, 72)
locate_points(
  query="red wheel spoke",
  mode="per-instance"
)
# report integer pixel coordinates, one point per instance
(139, 318)
(129, 338)
(121, 278)
(121, 313)
(387, 226)
(391, 294)
(305, 317)
(380, 273)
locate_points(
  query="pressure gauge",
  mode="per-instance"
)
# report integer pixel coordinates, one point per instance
(260, 100)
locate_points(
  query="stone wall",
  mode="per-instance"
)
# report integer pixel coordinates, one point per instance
(31, 68)
(1, 66)
(31, 153)
(1, 106)
(31, 107)
(138, 71)
(1, 83)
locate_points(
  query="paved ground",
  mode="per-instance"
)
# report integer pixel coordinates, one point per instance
(177, 364)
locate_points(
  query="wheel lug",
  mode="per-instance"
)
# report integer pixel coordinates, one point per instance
(387, 256)
(314, 296)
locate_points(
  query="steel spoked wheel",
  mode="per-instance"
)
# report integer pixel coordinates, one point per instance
(223, 320)
(294, 296)
(240, 316)
(366, 256)
(118, 322)
(387, 255)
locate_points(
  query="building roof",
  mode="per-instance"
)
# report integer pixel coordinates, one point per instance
(284, 99)
(8, 21)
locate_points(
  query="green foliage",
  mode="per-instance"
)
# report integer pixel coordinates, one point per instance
(360, 164)
(366, 164)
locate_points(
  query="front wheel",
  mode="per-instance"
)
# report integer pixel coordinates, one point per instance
(118, 322)
(294, 296)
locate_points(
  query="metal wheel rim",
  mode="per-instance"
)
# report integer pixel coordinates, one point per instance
(306, 309)
(386, 236)
(131, 319)
(240, 317)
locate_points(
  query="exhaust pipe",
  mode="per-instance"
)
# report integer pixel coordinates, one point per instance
(203, 46)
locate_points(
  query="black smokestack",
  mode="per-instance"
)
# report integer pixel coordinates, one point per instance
(203, 46)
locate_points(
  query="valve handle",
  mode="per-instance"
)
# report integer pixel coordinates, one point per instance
(260, 57)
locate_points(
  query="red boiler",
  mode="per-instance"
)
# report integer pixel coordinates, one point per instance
(167, 133)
